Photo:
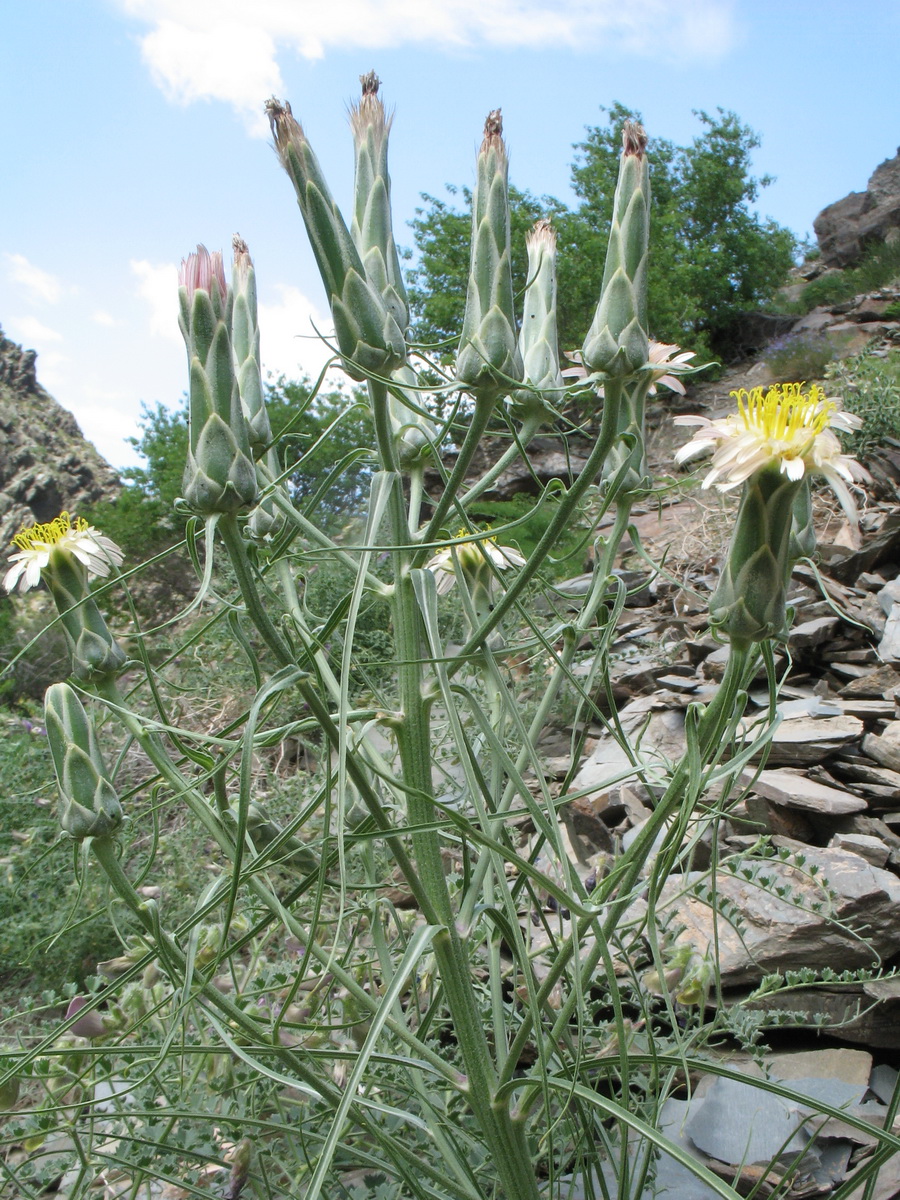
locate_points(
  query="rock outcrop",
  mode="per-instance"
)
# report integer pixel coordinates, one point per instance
(845, 228)
(45, 463)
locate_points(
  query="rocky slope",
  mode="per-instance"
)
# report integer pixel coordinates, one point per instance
(45, 463)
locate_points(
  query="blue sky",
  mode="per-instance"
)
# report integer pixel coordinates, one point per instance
(132, 129)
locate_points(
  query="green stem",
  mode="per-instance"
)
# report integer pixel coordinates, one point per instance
(529, 428)
(561, 518)
(505, 1139)
(237, 553)
(484, 409)
(622, 880)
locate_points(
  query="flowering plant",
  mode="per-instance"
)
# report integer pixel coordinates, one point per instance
(392, 972)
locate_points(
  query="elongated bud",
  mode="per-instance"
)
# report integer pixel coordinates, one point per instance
(240, 1169)
(803, 529)
(368, 335)
(371, 227)
(749, 603)
(245, 343)
(415, 434)
(488, 361)
(617, 342)
(538, 341)
(89, 805)
(95, 652)
(219, 475)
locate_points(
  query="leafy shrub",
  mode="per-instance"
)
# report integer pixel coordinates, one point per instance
(31, 655)
(870, 388)
(799, 356)
(571, 551)
(38, 895)
(880, 266)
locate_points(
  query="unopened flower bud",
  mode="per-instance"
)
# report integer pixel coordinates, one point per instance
(488, 361)
(219, 475)
(371, 227)
(538, 343)
(803, 529)
(368, 336)
(245, 343)
(89, 804)
(617, 342)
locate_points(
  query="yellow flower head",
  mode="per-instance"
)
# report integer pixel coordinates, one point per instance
(72, 535)
(783, 426)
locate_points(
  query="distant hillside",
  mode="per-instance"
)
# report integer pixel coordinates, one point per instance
(46, 465)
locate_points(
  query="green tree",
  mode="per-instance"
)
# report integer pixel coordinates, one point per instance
(437, 280)
(712, 257)
(316, 436)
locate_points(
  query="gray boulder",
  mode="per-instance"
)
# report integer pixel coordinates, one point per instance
(845, 228)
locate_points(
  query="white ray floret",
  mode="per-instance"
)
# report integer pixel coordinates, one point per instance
(781, 426)
(73, 535)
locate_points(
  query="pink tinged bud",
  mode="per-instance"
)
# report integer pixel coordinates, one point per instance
(90, 1025)
(198, 271)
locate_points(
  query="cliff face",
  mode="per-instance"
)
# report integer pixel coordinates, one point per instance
(845, 228)
(46, 465)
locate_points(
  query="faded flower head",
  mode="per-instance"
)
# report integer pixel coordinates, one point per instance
(665, 362)
(781, 426)
(66, 534)
(473, 558)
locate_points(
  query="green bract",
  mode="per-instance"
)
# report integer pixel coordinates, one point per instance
(368, 335)
(95, 652)
(488, 360)
(219, 475)
(749, 603)
(371, 227)
(617, 344)
(538, 343)
(245, 343)
(89, 805)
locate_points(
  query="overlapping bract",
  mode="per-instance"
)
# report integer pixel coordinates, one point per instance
(369, 338)
(219, 476)
(617, 342)
(538, 339)
(488, 361)
(245, 344)
(373, 236)
(371, 227)
(89, 804)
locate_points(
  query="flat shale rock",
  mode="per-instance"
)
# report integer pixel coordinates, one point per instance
(793, 789)
(872, 849)
(858, 916)
(806, 740)
(878, 684)
(661, 732)
(886, 748)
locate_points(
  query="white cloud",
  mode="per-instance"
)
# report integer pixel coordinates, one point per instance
(158, 285)
(33, 331)
(104, 318)
(39, 283)
(289, 344)
(227, 49)
(54, 371)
